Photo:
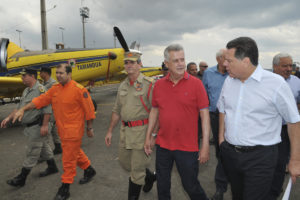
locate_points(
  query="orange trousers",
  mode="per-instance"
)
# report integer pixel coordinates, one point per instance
(72, 156)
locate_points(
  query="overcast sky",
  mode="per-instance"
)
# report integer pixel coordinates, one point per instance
(201, 26)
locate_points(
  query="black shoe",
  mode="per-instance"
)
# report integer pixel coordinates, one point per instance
(63, 192)
(19, 181)
(149, 180)
(218, 195)
(57, 149)
(51, 169)
(133, 190)
(89, 173)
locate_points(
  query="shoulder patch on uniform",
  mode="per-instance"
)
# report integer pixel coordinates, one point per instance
(80, 86)
(150, 79)
(85, 95)
(42, 89)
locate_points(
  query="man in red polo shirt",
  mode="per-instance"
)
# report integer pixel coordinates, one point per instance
(177, 101)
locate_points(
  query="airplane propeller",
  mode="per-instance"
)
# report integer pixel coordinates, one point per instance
(121, 39)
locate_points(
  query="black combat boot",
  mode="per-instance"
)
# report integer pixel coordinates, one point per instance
(19, 181)
(63, 192)
(133, 190)
(57, 149)
(149, 180)
(52, 168)
(89, 173)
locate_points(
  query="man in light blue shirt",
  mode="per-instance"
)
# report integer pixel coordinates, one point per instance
(252, 104)
(282, 65)
(213, 80)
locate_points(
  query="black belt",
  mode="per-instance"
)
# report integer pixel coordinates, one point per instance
(33, 123)
(244, 149)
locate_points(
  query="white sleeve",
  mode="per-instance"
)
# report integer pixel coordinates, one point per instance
(221, 101)
(286, 104)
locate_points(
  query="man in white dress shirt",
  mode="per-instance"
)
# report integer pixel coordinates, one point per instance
(252, 104)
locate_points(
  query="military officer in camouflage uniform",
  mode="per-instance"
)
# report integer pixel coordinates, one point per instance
(132, 106)
(45, 74)
(36, 128)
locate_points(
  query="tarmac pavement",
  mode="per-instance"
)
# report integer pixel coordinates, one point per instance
(111, 181)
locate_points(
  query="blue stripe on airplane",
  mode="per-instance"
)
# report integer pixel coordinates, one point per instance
(51, 64)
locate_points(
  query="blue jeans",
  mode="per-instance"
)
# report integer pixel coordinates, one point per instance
(187, 165)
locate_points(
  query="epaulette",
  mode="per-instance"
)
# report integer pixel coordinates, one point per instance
(41, 89)
(150, 79)
(80, 86)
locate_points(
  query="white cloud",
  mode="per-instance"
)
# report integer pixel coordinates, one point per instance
(202, 27)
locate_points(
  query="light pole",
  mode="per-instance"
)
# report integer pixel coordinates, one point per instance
(19, 37)
(84, 13)
(62, 34)
(44, 24)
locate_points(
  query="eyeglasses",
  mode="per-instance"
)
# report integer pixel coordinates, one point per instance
(205, 66)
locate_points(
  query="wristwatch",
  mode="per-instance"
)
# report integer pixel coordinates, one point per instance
(154, 134)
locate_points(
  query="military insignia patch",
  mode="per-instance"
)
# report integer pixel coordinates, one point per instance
(41, 88)
(85, 95)
(139, 86)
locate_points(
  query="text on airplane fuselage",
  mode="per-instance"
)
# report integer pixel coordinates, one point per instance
(88, 65)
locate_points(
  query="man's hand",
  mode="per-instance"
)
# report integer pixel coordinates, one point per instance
(108, 138)
(44, 130)
(5, 122)
(18, 115)
(203, 154)
(90, 132)
(152, 142)
(294, 169)
(148, 146)
(221, 141)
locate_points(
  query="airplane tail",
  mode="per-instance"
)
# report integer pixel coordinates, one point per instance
(7, 49)
(12, 49)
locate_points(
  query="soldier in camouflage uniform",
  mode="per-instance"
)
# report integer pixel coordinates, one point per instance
(36, 122)
(45, 74)
(132, 107)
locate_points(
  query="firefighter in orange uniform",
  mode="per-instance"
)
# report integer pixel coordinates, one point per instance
(72, 106)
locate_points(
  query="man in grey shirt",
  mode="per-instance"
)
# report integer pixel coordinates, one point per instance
(283, 65)
(45, 74)
(36, 122)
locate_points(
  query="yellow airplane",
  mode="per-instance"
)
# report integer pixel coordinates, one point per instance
(89, 65)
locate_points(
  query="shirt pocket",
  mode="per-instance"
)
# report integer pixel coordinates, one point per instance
(69, 108)
(123, 97)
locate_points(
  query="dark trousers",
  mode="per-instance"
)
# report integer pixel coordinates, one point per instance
(187, 165)
(220, 176)
(282, 161)
(250, 173)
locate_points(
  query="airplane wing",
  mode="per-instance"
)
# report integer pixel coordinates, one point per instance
(11, 87)
(151, 71)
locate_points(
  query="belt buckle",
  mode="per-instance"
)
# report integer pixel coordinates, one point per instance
(238, 149)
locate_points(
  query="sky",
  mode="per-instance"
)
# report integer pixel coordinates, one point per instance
(202, 27)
